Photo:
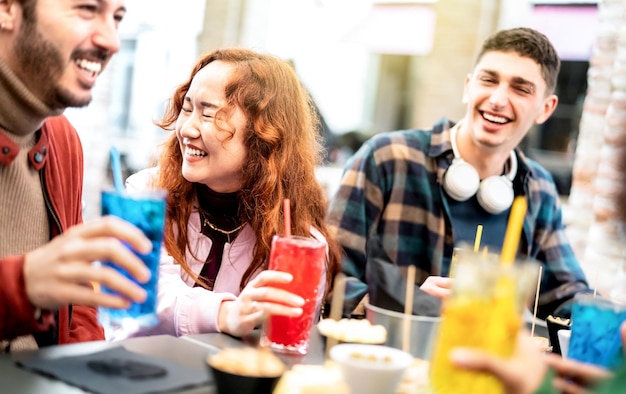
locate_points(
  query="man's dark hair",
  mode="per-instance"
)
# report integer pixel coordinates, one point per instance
(528, 43)
(28, 9)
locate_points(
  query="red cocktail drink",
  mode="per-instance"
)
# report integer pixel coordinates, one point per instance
(305, 259)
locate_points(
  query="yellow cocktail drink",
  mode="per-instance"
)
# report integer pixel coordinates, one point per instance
(483, 312)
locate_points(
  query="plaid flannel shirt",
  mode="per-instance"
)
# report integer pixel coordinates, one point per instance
(392, 187)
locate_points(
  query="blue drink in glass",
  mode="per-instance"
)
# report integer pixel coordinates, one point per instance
(595, 328)
(145, 210)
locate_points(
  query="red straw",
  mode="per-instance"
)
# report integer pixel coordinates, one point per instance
(287, 216)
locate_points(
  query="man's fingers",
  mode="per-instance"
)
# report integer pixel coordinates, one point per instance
(116, 282)
(443, 282)
(434, 291)
(57, 273)
(71, 282)
(105, 249)
(437, 286)
(111, 226)
(81, 295)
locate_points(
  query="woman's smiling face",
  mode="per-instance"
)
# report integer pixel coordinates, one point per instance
(212, 155)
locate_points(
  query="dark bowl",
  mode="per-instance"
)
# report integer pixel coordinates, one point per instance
(228, 383)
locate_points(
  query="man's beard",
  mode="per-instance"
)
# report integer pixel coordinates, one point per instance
(41, 67)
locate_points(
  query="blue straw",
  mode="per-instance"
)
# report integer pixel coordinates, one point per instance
(116, 167)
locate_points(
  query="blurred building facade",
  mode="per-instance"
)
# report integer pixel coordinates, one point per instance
(383, 65)
(595, 229)
(371, 66)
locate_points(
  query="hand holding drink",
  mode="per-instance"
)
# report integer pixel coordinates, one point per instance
(304, 259)
(595, 329)
(259, 299)
(146, 211)
(484, 312)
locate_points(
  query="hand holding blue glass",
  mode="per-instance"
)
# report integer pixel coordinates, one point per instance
(145, 210)
(595, 328)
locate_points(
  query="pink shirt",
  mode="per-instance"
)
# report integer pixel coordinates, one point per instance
(182, 308)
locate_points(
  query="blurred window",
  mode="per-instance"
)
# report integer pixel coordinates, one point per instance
(122, 86)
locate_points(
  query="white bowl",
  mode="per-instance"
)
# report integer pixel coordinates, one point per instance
(370, 369)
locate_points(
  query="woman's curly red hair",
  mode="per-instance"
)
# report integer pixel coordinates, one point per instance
(283, 148)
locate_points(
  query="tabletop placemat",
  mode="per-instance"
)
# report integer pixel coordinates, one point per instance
(118, 370)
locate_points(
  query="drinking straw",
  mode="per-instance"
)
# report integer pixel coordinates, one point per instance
(532, 327)
(479, 233)
(408, 308)
(338, 294)
(116, 168)
(336, 305)
(513, 230)
(287, 217)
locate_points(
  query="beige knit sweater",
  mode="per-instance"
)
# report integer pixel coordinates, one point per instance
(23, 217)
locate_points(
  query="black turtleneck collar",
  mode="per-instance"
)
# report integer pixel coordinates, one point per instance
(222, 209)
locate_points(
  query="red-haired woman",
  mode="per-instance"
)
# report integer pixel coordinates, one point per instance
(244, 138)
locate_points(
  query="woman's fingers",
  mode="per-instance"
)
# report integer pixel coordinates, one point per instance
(565, 386)
(268, 277)
(272, 308)
(574, 371)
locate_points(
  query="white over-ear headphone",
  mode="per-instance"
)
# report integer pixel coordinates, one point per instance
(461, 181)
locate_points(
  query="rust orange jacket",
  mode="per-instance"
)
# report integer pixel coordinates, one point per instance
(58, 156)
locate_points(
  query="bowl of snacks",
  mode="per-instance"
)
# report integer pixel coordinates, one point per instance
(245, 370)
(370, 369)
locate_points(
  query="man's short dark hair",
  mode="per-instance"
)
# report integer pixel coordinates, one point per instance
(28, 9)
(528, 43)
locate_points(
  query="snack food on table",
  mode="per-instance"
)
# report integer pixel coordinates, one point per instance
(247, 362)
(353, 331)
(312, 379)
(318, 379)
(559, 320)
(555, 324)
(371, 369)
(415, 378)
(543, 343)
